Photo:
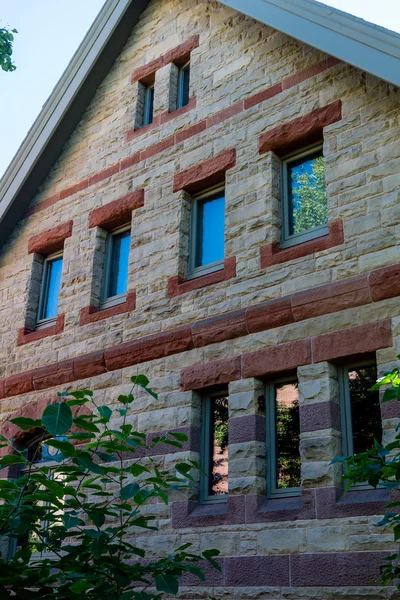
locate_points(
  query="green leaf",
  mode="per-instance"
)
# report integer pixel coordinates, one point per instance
(57, 418)
(138, 596)
(70, 521)
(12, 459)
(167, 584)
(182, 437)
(209, 556)
(129, 491)
(97, 547)
(24, 423)
(105, 412)
(140, 380)
(81, 587)
(391, 394)
(83, 423)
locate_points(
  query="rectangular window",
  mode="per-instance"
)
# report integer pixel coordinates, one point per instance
(207, 233)
(115, 282)
(148, 113)
(360, 409)
(183, 85)
(214, 449)
(283, 438)
(50, 291)
(304, 197)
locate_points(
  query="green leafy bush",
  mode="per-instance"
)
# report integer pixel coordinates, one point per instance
(6, 49)
(73, 522)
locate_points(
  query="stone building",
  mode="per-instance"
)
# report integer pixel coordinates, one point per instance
(211, 196)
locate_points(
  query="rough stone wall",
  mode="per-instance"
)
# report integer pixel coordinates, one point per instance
(319, 549)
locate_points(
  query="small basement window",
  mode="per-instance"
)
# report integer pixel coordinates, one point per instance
(50, 291)
(183, 85)
(207, 245)
(304, 197)
(214, 448)
(115, 283)
(283, 439)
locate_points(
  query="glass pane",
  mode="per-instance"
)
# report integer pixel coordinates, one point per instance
(210, 234)
(118, 267)
(51, 288)
(287, 435)
(219, 446)
(148, 105)
(365, 408)
(184, 85)
(308, 201)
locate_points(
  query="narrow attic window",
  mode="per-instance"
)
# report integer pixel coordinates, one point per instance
(50, 291)
(183, 85)
(304, 197)
(148, 113)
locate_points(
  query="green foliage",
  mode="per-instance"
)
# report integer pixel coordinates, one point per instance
(73, 522)
(310, 207)
(6, 49)
(380, 467)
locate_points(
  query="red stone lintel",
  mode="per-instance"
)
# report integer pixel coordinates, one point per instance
(25, 335)
(205, 174)
(273, 254)
(216, 372)
(118, 212)
(177, 55)
(178, 286)
(353, 341)
(276, 359)
(301, 131)
(92, 314)
(50, 241)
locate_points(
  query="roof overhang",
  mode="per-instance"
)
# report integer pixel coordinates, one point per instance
(364, 45)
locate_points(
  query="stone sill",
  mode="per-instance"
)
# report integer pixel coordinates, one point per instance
(160, 119)
(178, 286)
(92, 314)
(26, 336)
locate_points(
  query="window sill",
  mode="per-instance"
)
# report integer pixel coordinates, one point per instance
(274, 254)
(193, 514)
(260, 509)
(160, 119)
(25, 335)
(178, 286)
(331, 502)
(92, 314)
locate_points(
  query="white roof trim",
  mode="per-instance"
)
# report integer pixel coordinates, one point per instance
(364, 45)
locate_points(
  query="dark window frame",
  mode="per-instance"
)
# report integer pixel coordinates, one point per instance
(209, 194)
(148, 109)
(271, 442)
(288, 239)
(43, 323)
(205, 451)
(181, 101)
(109, 301)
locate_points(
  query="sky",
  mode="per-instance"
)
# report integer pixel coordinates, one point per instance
(49, 32)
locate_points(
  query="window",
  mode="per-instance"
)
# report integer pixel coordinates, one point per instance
(207, 233)
(50, 291)
(214, 449)
(360, 409)
(115, 282)
(148, 113)
(304, 198)
(183, 85)
(38, 535)
(283, 438)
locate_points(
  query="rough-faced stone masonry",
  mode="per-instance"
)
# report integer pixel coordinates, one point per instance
(267, 313)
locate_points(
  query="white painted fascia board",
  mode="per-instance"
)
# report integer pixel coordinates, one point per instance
(60, 99)
(361, 44)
